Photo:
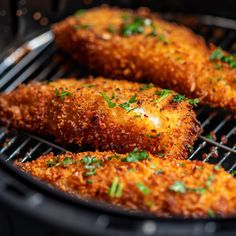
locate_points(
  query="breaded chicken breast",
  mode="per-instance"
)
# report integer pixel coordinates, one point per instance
(107, 114)
(140, 181)
(139, 46)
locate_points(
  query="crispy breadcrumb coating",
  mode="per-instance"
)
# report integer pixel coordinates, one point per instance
(163, 187)
(139, 45)
(107, 114)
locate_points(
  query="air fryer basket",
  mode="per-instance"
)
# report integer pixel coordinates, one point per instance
(29, 207)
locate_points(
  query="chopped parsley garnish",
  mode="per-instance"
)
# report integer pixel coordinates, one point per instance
(217, 167)
(84, 26)
(234, 80)
(178, 187)
(135, 156)
(149, 204)
(158, 172)
(125, 105)
(49, 163)
(88, 85)
(193, 102)
(79, 12)
(164, 93)
(90, 164)
(150, 136)
(146, 86)
(67, 161)
(233, 173)
(162, 38)
(179, 98)
(160, 154)
(55, 162)
(181, 164)
(111, 157)
(131, 170)
(209, 180)
(63, 94)
(198, 190)
(89, 181)
(153, 166)
(218, 79)
(137, 25)
(208, 136)
(116, 188)
(145, 190)
(218, 54)
(111, 29)
(108, 100)
(91, 172)
(211, 213)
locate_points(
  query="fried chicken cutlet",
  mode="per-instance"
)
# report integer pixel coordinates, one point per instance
(106, 114)
(140, 181)
(140, 46)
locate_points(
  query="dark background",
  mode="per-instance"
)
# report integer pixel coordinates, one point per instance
(22, 18)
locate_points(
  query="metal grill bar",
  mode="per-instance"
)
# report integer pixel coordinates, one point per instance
(45, 62)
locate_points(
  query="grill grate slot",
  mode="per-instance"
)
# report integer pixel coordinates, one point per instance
(45, 62)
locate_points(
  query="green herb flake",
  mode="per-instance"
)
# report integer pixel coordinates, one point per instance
(210, 180)
(164, 93)
(116, 188)
(158, 172)
(211, 213)
(145, 87)
(67, 161)
(198, 190)
(62, 94)
(84, 26)
(234, 80)
(194, 102)
(126, 105)
(233, 173)
(178, 187)
(108, 100)
(181, 164)
(49, 163)
(80, 12)
(218, 54)
(89, 181)
(162, 38)
(113, 157)
(153, 166)
(208, 136)
(111, 29)
(218, 79)
(135, 156)
(217, 167)
(179, 98)
(149, 204)
(160, 154)
(145, 190)
(131, 170)
(90, 173)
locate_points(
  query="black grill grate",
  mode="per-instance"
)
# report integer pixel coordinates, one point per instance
(39, 60)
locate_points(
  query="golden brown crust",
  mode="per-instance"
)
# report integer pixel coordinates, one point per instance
(201, 190)
(182, 64)
(84, 117)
